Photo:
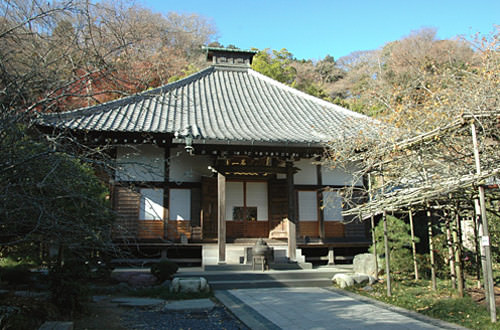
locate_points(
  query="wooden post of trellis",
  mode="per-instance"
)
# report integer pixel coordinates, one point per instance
(386, 246)
(479, 251)
(485, 239)
(387, 256)
(458, 254)
(431, 248)
(372, 222)
(451, 254)
(431, 240)
(413, 245)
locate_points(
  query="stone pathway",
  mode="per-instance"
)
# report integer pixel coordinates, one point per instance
(136, 313)
(318, 308)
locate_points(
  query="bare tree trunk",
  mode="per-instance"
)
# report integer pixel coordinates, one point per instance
(413, 245)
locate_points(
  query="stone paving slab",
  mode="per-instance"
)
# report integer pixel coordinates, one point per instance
(57, 325)
(138, 302)
(316, 308)
(245, 313)
(32, 294)
(191, 305)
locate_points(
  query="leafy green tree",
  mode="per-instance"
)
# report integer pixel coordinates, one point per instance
(275, 64)
(48, 198)
(328, 71)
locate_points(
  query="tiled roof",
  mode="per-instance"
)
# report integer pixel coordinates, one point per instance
(220, 103)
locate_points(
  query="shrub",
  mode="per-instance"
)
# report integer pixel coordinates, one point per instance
(399, 244)
(164, 270)
(18, 274)
(67, 285)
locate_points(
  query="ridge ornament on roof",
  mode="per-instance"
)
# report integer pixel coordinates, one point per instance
(231, 56)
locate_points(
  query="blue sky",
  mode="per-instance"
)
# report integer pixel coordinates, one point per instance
(312, 29)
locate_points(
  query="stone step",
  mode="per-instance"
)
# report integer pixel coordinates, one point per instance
(246, 278)
(236, 254)
(231, 285)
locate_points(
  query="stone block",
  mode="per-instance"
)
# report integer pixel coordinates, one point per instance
(362, 278)
(364, 263)
(343, 280)
(190, 305)
(280, 256)
(189, 284)
(135, 279)
(57, 325)
(138, 302)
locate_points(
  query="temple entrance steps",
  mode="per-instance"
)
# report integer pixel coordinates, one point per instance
(246, 278)
(239, 252)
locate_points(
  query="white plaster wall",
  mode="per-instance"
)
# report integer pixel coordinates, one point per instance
(338, 176)
(140, 163)
(307, 174)
(186, 168)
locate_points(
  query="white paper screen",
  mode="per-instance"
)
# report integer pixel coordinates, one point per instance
(151, 207)
(180, 204)
(308, 206)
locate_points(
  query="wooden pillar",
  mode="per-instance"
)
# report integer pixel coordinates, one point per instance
(221, 220)
(321, 225)
(413, 245)
(166, 192)
(331, 256)
(485, 239)
(321, 228)
(292, 220)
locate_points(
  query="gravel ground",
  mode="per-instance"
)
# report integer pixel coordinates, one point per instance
(149, 319)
